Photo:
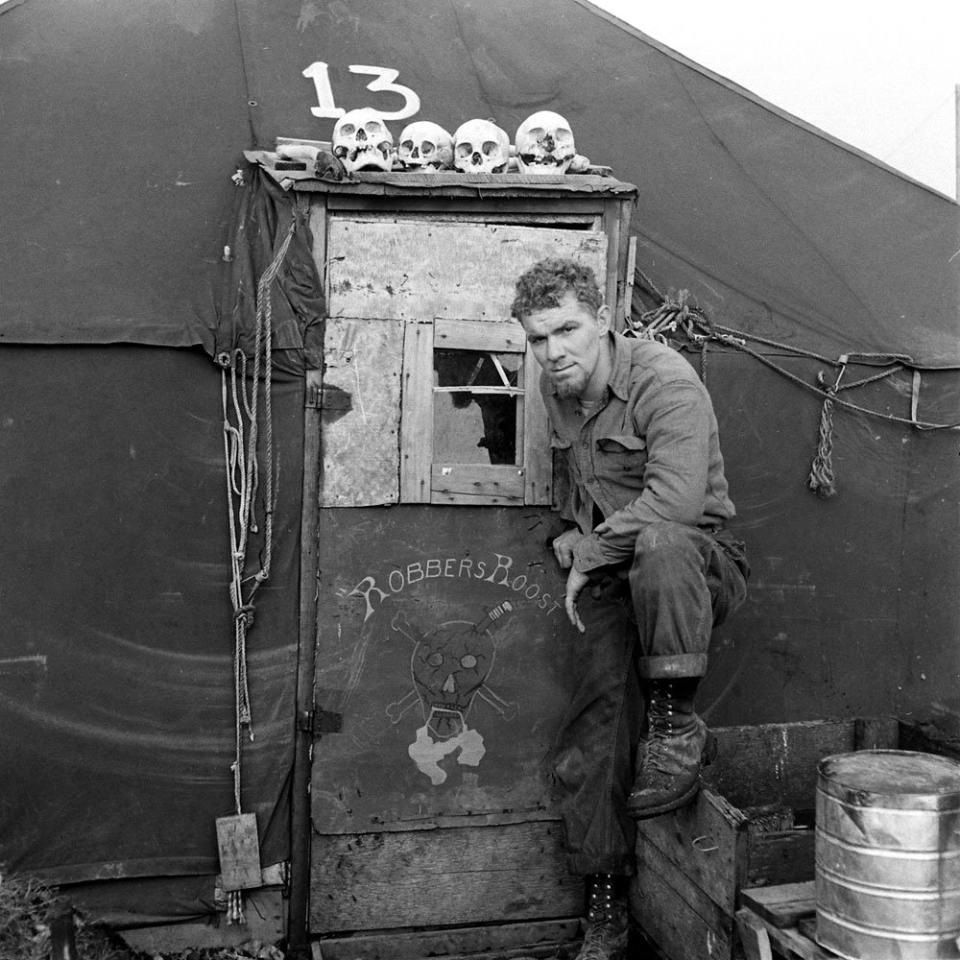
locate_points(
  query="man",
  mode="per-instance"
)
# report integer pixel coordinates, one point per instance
(649, 504)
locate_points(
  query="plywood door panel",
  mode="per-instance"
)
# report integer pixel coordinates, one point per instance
(361, 412)
(399, 586)
(424, 269)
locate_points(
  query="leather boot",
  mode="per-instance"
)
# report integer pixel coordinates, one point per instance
(608, 919)
(669, 757)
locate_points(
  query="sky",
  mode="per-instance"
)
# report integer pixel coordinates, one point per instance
(879, 75)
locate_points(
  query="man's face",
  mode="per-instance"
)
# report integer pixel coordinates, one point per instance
(567, 341)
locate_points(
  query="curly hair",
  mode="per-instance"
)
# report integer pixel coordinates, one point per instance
(545, 283)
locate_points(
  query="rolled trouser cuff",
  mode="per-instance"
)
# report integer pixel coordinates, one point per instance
(672, 667)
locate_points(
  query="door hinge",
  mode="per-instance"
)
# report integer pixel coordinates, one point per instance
(317, 722)
(313, 400)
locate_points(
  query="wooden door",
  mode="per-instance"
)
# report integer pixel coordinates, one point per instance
(438, 681)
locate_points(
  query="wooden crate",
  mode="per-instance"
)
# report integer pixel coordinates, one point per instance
(751, 826)
(780, 922)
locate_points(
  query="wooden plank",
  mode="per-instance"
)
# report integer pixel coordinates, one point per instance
(795, 943)
(683, 922)
(782, 905)
(503, 208)
(754, 939)
(526, 218)
(460, 877)
(631, 268)
(782, 857)
(476, 483)
(470, 335)
(537, 457)
(361, 412)
(777, 763)
(706, 840)
(611, 223)
(239, 851)
(318, 228)
(462, 271)
(534, 939)
(309, 548)
(624, 278)
(872, 733)
(416, 418)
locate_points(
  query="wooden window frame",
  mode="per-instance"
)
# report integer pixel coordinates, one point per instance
(424, 480)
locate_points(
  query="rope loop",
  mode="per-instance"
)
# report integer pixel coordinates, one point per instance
(240, 391)
(675, 314)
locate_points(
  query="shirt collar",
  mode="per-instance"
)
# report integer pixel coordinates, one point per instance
(619, 382)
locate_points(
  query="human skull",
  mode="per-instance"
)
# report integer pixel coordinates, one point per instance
(481, 147)
(425, 146)
(361, 141)
(544, 144)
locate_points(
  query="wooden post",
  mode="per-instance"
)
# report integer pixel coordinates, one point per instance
(63, 945)
(956, 130)
(297, 933)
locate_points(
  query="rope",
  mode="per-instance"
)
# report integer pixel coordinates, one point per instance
(675, 314)
(239, 396)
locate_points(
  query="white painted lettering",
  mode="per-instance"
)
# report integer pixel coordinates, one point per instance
(384, 82)
(433, 569)
(414, 568)
(448, 565)
(503, 563)
(398, 576)
(319, 72)
(363, 589)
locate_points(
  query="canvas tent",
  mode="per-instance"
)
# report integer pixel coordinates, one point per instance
(126, 125)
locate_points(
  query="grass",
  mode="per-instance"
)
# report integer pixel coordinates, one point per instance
(28, 908)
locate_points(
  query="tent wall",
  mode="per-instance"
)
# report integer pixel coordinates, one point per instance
(116, 671)
(130, 120)
(851, 610)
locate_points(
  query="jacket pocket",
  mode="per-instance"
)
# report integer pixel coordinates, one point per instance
(621, 443)
(621, 460)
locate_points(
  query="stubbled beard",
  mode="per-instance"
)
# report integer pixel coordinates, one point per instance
(566, 389)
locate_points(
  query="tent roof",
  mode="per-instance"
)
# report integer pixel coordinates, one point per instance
(132, 118)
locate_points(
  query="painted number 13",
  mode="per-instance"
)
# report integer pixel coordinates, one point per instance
(319, 73)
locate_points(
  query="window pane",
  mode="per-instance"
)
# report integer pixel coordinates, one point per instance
(475, 426)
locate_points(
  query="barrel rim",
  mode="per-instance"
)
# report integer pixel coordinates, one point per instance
(832, 787)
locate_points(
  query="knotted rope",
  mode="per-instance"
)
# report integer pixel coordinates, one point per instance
(675, 314)
(239, 394)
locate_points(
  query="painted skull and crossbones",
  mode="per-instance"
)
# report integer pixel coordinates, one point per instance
(449, 667)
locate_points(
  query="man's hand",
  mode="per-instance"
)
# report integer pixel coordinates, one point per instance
(576, 581)
(563, 547)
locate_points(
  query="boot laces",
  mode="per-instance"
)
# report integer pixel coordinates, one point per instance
(607, 930)
(660, 721)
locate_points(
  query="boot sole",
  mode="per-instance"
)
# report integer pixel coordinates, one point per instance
(644, 813)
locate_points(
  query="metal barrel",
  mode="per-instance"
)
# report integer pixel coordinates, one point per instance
(888, 855)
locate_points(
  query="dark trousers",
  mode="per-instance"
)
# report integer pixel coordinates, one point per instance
(650, 621)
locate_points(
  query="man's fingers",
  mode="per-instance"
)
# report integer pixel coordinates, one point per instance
(573, 614)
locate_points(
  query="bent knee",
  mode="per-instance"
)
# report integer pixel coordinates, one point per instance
(660, 538)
